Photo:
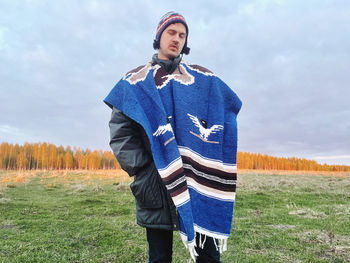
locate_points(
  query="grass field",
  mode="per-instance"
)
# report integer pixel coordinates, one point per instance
(89, 216)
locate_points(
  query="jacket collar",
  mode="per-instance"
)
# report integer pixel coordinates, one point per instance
(168, 65)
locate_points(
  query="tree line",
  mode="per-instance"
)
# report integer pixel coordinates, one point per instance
(246, 160)
(50, 157)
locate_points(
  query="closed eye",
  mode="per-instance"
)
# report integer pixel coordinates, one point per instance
(174, 32)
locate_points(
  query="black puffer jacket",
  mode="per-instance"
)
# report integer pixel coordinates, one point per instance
(129, 142)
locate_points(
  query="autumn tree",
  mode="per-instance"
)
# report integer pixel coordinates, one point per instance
(21, 161)
(49, 156)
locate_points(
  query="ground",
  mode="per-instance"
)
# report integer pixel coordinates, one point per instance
(89, 216)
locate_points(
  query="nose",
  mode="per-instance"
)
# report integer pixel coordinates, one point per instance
(176, 38)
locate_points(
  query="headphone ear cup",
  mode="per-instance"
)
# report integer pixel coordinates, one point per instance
(185, 50)
(156, 44)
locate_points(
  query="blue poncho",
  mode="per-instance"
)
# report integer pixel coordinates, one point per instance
(190, 119)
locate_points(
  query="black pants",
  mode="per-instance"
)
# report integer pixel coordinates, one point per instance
(160, 243)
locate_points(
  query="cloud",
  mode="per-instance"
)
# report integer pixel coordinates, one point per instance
(12, 134)
(6, 129)
(336, 159)
(287, 60)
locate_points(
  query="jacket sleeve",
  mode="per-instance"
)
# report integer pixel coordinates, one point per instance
(127, 144)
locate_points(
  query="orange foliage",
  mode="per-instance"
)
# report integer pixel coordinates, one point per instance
(19, 179)
(50, 157)
(246, 160)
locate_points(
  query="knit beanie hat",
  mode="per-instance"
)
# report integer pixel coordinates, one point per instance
(166, 20)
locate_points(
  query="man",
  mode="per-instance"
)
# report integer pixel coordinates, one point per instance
(173, 128)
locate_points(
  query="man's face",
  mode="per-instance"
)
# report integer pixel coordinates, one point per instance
(172, 41)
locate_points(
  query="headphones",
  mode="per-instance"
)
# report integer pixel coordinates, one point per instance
(185, 50)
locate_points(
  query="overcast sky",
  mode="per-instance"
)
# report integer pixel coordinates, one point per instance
(288, 60)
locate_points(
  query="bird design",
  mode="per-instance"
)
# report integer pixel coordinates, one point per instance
(204, 132)
(138, 74)
(163, 129)
(181, 75)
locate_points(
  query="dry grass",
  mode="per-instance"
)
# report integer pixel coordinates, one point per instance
(338, 245)
(307, 213)
(78, 179)
(287, 172)
(295, 181)
(250, 180)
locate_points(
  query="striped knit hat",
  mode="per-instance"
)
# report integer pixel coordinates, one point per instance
(166, 20)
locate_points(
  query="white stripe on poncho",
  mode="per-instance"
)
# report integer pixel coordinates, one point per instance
(190, 119)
